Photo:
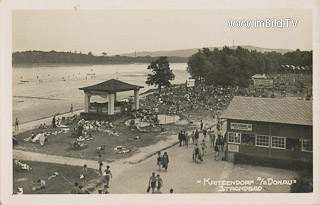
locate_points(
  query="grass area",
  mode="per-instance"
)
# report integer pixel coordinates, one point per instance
(40, 170)
(59, 144)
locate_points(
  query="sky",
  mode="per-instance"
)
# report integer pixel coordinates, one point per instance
(122, 31)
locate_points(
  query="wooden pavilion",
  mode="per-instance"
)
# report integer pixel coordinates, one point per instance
(108, 90)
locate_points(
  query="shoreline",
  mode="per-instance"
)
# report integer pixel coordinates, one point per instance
(28, 65)
(142, 96)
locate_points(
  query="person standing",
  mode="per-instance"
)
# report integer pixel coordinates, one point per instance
(159, 183)
(180, 137)
(71, 108)
(201, 125)
(100, 162)
(212, 138)
(216, 150)
(184, 138)
(192, 137)
(107, 175)
(187, 139)
(203, 147)
(204, 131)
(196, 152)
(16, 125)
(165, 161)
(196, 137)
(85, 174)
(152, 182)
(54, 122)
(159, 160)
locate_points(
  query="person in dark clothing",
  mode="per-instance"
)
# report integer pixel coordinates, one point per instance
(159, 160)
(100, 162)
(201, 125)
(204, 131)
(196, 137)
(54, 122)
(165, 161)
(180, 137)
(80, 129)
(183, 138)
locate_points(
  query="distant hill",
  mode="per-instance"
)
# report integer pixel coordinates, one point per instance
(189, 52)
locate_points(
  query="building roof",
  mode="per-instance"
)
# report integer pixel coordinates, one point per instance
(286, 111)
(259, 76)
(111, 86)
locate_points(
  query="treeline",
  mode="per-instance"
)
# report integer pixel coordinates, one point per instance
(236, 66)
(42, 57)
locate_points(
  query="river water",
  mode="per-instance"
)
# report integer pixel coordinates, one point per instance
(43, 91)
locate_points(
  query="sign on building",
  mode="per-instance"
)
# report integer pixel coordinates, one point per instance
(233, 148)
(267, 83)
(190, 83)
(241, 126)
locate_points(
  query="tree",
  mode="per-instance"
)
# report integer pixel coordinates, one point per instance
(161, 73)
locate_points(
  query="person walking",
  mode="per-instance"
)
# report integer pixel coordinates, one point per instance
(100, 162)
(159, 183)
(107, 175)
(165, 161)
(152, 182)
(196, 137)
(159, 160)
(16, 124)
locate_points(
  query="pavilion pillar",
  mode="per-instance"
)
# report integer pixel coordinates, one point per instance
(86, 101)
(136, 99)
(111, 104)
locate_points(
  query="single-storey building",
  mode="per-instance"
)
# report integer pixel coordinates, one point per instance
(269, 128)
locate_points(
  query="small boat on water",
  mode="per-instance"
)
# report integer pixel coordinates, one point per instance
(23, 81)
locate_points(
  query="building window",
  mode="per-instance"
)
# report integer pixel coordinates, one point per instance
(293, 144)
(307, 145)
(234, 137)
(278, 142)
(247, 139)
(262, 141)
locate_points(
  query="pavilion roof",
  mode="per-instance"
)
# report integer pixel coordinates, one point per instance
(111, 86)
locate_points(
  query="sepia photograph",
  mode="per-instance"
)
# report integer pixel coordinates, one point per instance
(174, 101)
